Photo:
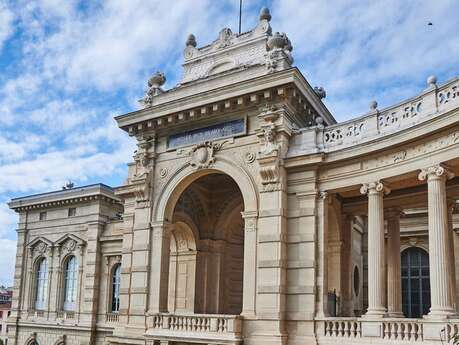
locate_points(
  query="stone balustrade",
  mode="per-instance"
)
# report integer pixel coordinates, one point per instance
(377, 123)
(342, 327)
(410, 330)
(213, 328)
(386, 330)
(66, 315)
(111, 317)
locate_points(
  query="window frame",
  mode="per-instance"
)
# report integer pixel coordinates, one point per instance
(72, 212)
(42, 216)
(41, 284)
(70, 282)
(115, 285)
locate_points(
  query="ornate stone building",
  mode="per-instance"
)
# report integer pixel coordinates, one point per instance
(249, 216)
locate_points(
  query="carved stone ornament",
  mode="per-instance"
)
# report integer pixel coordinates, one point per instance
(250, 157)
(203, 155)
(279, 54)
(41, 248)
(69, 246)
(374, 187)
(142, 157)
(224, 38)
(154, 88)
(436, 171)
(269, 141)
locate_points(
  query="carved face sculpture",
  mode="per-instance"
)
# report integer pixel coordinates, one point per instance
(269, 135)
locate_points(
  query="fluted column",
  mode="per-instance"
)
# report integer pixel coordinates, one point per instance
(394, 281)
(439, 247)
(376, 262)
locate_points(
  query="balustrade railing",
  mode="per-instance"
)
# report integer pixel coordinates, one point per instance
(434, 101)
(402, 330)
(196, 325)
(347, 328)
(66, 315)
(111, 317)
(452, 331)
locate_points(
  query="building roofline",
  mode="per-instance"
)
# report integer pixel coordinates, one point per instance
(227, 90)
(73, 195)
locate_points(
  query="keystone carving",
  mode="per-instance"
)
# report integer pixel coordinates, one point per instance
(203, 155)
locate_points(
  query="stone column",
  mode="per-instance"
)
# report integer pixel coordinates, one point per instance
(159, 265)
(346, 263)
(439, 247)
(452, 259)
(250, 264)
(394, 281)
(322, 262)
(376, 262)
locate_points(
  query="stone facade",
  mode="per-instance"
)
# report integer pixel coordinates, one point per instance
(249, 216)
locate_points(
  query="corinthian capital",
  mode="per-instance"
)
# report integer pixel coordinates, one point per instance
(374, 187)
(435, 171)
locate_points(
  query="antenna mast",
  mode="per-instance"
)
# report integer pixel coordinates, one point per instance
(240, 15)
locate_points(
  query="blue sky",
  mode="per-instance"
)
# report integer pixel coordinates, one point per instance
(67, 67)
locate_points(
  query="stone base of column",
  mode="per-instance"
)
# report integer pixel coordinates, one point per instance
(395, 314)
(375, 313)
(442, 314)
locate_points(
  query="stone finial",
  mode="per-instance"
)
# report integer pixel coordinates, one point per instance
(432, 81)
(373, 105)
(154, 87)
(320, 92)
(157, 80)
(265, 14)
(191, 41)
(319, 121)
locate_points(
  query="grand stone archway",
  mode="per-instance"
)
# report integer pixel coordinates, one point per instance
(205, 237)
(206, 265)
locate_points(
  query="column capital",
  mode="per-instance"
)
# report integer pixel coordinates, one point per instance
(374, 187)
(435, 172)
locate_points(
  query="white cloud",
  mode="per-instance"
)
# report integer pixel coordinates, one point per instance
(6, 23)
(360, 50)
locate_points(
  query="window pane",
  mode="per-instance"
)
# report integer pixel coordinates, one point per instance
(116, 280)
(42, 284)
(71, 268)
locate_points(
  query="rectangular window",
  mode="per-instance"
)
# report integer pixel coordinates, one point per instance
(42, 215)
(72, 212)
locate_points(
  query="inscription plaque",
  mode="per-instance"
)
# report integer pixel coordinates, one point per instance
(200, 135)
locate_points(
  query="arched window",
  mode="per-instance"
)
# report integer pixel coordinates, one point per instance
(70, 283)
(116, 280)
(41, 284)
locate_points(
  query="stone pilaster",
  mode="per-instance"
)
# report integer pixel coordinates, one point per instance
(250, 264)
(439, 247)
(394, 281)
(322, 262)
(376, 262)
(91, 281)
(159, 277)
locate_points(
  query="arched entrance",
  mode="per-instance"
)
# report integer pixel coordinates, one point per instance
(207, 248)
(415, 282)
